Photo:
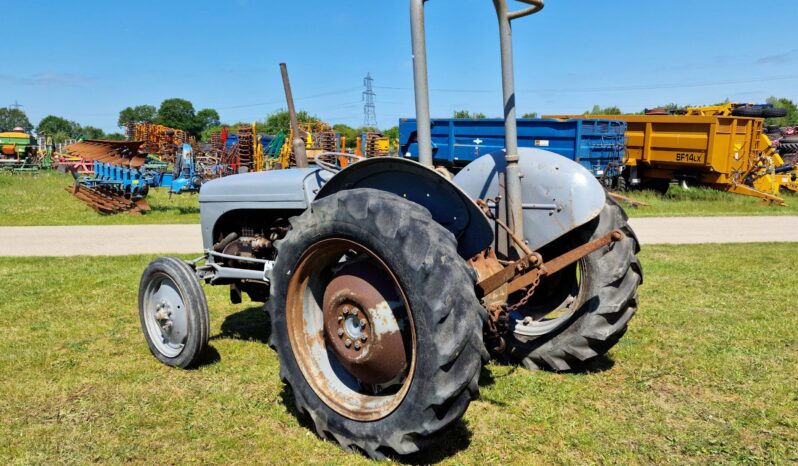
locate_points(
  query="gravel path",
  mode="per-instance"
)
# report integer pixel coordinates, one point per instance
(121, 240)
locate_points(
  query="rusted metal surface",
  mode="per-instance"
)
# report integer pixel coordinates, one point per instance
(107, 201)
(495, 330)
(528, 271)
(360, 326)
(123, 153)
(298, 143)
(627, 200)
(158, 139)
(332, 275)
(246, 141)
(508, 273)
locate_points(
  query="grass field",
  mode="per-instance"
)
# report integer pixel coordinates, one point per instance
(40, 199)
(29, 200)
(707, 374)
(694, 202)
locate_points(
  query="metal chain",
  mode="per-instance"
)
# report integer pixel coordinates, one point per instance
(526, 298)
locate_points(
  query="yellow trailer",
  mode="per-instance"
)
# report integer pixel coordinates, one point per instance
(723, 152)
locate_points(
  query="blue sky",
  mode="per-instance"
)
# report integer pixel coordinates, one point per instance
(87, 60)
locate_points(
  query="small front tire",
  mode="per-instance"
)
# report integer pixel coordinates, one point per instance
(173, 312)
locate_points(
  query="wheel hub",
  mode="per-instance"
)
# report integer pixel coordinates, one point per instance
(163, 315)
(360, 324)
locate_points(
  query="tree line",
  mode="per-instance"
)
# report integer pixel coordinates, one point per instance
(180, 114)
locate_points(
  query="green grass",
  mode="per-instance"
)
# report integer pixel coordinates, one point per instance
(695, 202)
(707, 374)
(40, 199)
(28, 200)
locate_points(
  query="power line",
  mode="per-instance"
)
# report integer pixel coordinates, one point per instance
(16, 105)
(279, 101)
(638, 87)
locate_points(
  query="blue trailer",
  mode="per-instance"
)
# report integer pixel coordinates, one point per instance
(598, 145)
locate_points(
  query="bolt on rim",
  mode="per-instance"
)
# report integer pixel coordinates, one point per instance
(351, 329)
(165, 316)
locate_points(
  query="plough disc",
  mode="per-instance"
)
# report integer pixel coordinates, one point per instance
(106, 201)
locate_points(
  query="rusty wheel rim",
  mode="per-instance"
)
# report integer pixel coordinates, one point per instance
(351, 329)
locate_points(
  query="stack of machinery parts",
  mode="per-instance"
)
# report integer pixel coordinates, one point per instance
(246, 147)
(375, 144)
(114, 183)
(328, 141)
(786, 140)
(158, 139)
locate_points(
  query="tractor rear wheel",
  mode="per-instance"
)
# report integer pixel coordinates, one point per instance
(582, 311)
(375, 322)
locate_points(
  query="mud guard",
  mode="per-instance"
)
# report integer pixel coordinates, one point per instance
(558, 194)
(448, 204)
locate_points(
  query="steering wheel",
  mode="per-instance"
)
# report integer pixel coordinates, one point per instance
(331, 162)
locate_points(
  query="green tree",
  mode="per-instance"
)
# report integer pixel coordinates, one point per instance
(207, 118)
(115, 137)
(281, 120)
(178, 114)
(59, 128)
(90, 132)
(598, 110)
(792, 112)
(465, 114)
(138, 114)
(530, 116)
(392, 133)
(11, 118)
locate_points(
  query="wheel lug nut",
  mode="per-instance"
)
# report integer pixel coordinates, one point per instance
(340, 332)
(363, 323)
(363, 338)
(354, 311)
(346, 310)
(340, 318)
(357, 346)
(348, 343)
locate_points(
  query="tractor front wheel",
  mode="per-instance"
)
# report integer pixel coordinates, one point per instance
(376, 323)
(173, 312)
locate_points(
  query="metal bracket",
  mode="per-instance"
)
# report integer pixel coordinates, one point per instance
(527, 271)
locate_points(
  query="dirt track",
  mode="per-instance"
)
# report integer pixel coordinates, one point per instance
(186, 239)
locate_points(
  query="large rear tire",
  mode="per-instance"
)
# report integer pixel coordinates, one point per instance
(377, 244)
(585, 308)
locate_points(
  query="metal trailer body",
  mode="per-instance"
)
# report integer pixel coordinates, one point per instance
(595, 144)
(718, 151)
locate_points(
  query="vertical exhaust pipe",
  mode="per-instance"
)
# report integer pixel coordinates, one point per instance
(421, 82)
(298, 144)
(512, 171)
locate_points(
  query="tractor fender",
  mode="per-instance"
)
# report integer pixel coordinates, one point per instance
(446, 202)
(558, 194)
